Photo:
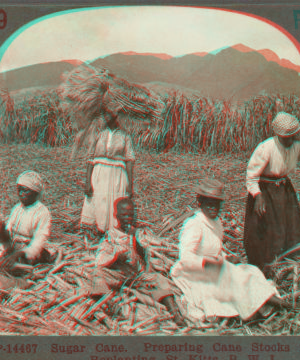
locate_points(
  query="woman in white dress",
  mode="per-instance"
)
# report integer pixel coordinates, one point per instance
(28, 226)
(211, 285)
(109, 175)
(272, 220)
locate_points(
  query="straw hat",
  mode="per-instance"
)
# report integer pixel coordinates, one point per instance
(210, 188)
(285, 124)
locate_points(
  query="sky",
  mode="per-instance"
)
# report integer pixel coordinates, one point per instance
(91, 33)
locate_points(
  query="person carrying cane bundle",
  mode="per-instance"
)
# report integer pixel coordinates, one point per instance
(104, 108)
(109, 175)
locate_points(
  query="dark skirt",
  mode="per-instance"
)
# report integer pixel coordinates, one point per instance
(278, 229)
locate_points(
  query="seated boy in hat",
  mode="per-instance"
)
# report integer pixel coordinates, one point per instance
(121, 258)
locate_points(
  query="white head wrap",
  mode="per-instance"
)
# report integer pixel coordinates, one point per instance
(285, 124)
(31, 180)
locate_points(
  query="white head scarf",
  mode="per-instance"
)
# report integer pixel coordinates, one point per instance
(285, 124)
(31, 180)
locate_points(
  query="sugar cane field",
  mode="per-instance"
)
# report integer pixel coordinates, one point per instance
(35, 135)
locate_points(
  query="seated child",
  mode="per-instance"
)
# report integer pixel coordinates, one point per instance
(120, 258)
(28, 227)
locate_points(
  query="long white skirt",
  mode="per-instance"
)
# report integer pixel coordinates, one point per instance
(109, 183)
(239, 290)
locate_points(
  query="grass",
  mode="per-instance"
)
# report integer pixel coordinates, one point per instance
(34, 118)
(187, 124)
(203, 125)
(162, 192)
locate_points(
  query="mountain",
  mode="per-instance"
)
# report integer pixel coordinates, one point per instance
(160, 56)
(202, 53)
(38, 75)
(234, 73)
(74, 62)
(270, 56)
(163, 89)
(136, 68)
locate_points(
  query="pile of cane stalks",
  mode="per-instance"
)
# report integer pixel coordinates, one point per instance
(57, 301)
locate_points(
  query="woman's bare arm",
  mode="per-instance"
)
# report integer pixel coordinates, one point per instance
(5, 237)
(129, 169)
(88, 187)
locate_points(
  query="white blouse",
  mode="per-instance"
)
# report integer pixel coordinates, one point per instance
(270, 158)
(211, 291)
(30, 227)
(200, 237)
(114, 144)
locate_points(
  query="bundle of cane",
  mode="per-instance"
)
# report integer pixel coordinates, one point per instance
(88, 92)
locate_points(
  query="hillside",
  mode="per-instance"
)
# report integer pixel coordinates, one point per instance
(230, 74)
(234, 73)
(38, 75)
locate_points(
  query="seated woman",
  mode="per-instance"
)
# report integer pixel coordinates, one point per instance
(28, 227)
(213, 286)
(121, 258)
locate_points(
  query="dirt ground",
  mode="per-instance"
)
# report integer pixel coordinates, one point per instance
(163, 193)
